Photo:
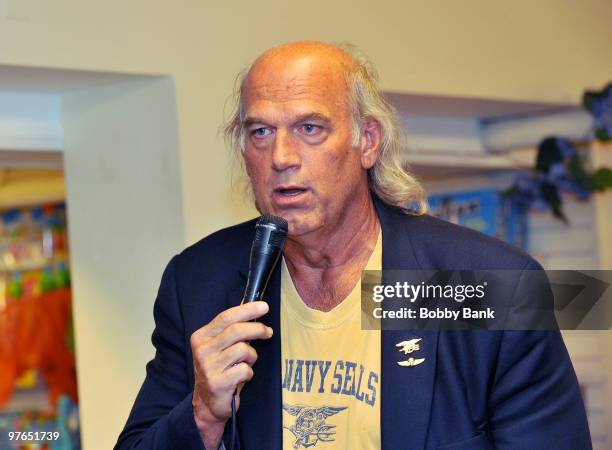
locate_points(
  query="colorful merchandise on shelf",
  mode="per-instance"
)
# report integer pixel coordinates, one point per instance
(486, 210)
(38, 390)
(37, 328)
(32, 238)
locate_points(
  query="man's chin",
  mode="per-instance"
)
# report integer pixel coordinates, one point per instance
(299, 227)
(299, 223)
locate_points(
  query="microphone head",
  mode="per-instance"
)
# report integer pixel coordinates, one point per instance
(270, 233)
(275, 221)
(270, 236)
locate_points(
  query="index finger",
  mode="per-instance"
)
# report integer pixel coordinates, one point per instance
(240, 313)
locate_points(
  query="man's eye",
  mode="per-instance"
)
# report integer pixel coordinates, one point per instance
(261, 132)
(309, 128)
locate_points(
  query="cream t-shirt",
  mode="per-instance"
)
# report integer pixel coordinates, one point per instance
(331, 371)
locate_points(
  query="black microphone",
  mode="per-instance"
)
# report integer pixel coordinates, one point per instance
(270, 236)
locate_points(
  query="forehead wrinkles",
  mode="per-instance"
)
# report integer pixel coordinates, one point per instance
(294, 89)
(330, 91)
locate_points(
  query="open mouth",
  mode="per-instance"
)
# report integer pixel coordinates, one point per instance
(289, 191)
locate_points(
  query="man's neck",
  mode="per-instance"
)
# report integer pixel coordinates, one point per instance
(325, 267)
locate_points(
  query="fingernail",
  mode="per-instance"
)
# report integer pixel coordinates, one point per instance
(262, 306)
(270, 331)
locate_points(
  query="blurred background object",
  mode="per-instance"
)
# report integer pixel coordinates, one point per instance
(38, 385)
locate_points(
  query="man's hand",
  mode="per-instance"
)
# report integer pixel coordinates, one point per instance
(222, 361)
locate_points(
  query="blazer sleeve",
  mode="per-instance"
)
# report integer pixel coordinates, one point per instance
(162, 415)
(535, 401)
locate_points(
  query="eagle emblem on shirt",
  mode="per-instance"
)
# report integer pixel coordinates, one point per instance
(310, 427)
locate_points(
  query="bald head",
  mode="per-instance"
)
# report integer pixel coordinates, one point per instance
(295, 68)
(319, 51)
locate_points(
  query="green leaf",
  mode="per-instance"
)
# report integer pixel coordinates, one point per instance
(587, 99)
(510, 191)
(602, 136)
(602, 179)
(578, 172)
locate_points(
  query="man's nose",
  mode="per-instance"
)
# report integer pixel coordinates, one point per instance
(286, 153)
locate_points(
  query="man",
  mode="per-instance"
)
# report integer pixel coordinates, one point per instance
(321, 148)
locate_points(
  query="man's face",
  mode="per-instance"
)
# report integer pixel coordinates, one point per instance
(298, 142)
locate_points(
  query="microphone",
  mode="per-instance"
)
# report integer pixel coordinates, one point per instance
(270, 236)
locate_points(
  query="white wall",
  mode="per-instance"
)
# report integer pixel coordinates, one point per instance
(125, 221)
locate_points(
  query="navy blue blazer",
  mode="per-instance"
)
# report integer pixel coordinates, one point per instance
(477, 390)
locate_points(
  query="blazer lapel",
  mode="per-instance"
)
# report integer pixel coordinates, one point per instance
(407, 391)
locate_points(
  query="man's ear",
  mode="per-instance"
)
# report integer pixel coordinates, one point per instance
(371, 135)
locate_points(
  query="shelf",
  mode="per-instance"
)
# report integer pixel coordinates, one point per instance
(456, 163)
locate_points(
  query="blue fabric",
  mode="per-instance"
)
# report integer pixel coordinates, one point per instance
(476, 390)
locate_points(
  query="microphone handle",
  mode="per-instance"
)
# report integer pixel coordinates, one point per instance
(260, 271)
